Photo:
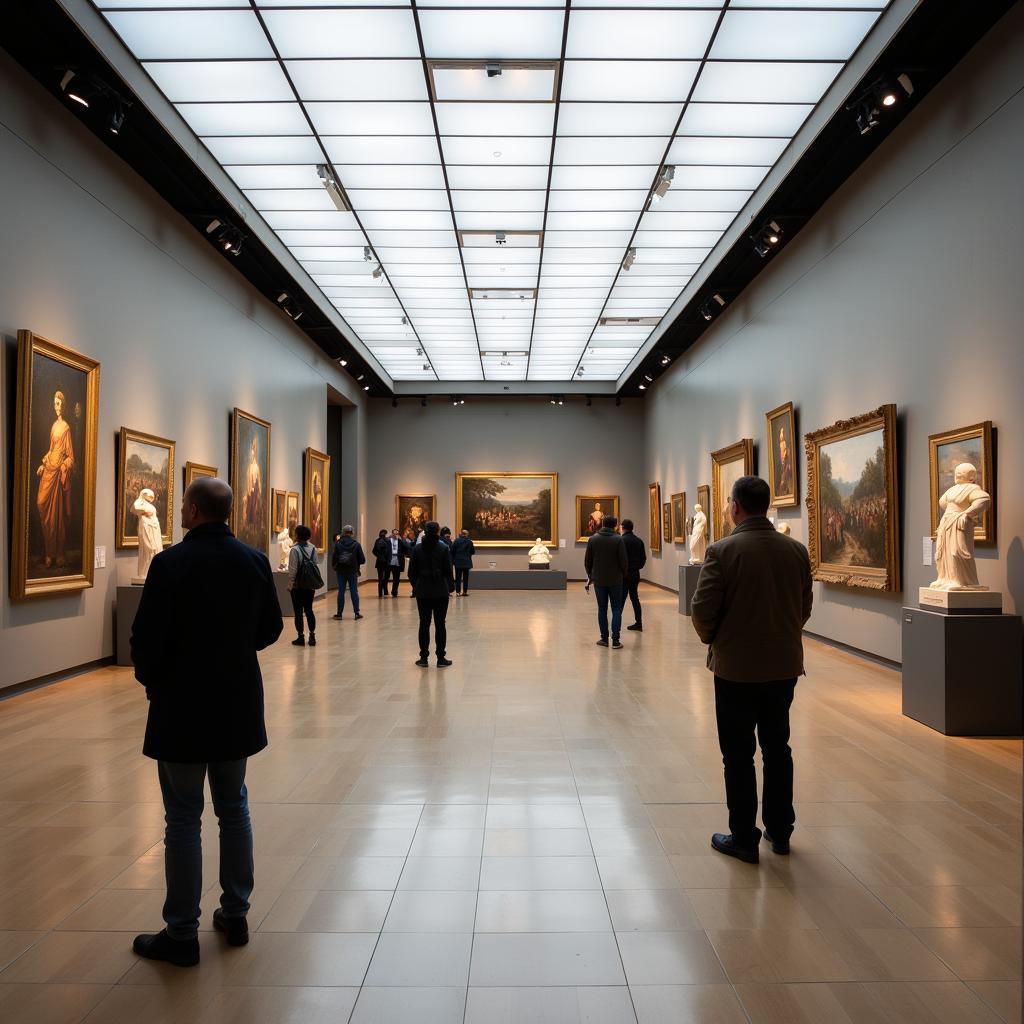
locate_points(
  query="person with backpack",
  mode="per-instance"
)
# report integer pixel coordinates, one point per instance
(346, 559)
(381, 552)
(433, 578)
(304, 580)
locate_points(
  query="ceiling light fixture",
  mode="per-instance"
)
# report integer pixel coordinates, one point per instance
(630, 258)
(343, 362)
(292, 308)
(710, 308)
(226, 236)
(78, 87)
(333, 189)
(663, 183)
(361, 376)
(367, 254)
(665, 359)
(378, 274)
(493, 69)
(367, 388)
(643, 387)
(766, 238)
(867, 106)
(499, 238)
(115, 119)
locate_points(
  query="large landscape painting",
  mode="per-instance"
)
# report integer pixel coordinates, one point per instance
(507, 509)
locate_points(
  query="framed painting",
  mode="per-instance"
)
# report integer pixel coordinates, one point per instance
(250, 470)
(316, 478)
(291, 512)
(727, 466)
(413, 512)
(194, 470)
(144, 463)
(590, 510)
(704, 500)
(852, 501)
(654, 515)
(679, 518)
(666, 522)
(780, 430)
(278, 510)
(54, 510)
(945, 452)
(507, 509)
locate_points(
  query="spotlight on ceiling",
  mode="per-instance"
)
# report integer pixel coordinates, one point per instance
(665, 359)
(79, 88)
(648, 378)
(85, 90)
(643, 387)
(499, 238)
(405, 320)
(226, 236)
(343, 362)
(292, 308)
(663, 184)
(331, 186)
(766, 238)
(367, 387)
(493, 69)
(378, 273)
(367, 253)
(115, 119)
(361, 376)
(710, 308)
(630, 258)
(883, 93)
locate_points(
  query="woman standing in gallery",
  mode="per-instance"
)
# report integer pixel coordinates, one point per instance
(304, 580)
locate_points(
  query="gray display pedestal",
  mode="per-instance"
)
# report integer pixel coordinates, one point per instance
(284, 597)
(688, 576)
(126, 604)
(962, 673)
(517, 579)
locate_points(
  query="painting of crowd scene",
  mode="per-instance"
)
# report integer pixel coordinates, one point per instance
(852, 499)
(511, 509)
(145, 462)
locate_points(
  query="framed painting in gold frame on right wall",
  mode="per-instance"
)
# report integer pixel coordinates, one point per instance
(727, 466)
(780, 429)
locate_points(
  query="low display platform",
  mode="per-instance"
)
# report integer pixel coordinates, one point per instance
(517, 579)
(126, 604)
(688, 576)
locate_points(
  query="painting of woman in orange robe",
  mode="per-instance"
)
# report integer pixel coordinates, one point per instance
(53, 499)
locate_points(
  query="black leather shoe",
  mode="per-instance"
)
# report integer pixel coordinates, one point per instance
(299, 641)
(602, 642)
(443, 662)
(180, 952)
(423, 663)
(781, 846)
(312, 639)
(616, 643)
(235, 928)
(636, 626)
(727, 845)
(358, 616)
(337, 616)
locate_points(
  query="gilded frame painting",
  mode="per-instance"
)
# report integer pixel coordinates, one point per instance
(194, 470)
(250, 472)
(666, 521)
(144, 460)
(292, 512)
(783, 478)
(278, 510)
(54, 507)
(507, 510)
(945, 452)
(316, 489)
(853, 501)
(654, 515)
(413, 512)
(679, 517)
(590, 510)
(727, 466)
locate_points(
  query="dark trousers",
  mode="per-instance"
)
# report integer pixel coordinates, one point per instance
(302, 602)
(396, 575)
(461, 581)
(351, 584)
(633, 590)
(382, 580)
(182, 789)
(435, 608)
(606, 595)
(743, 709)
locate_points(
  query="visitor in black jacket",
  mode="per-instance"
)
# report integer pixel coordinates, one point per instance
(208, 606)
(605, 562)
(462, 555)
(381, 552)
(346, 558)
(636, 559)
(430, 571)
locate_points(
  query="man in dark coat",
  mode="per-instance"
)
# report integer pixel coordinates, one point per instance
(606, 562)
(430, 571)
(208, 606)
(381, 552)
(752, 600)
(462, 555)
(399, 548)
(346, 559)
(636, 559)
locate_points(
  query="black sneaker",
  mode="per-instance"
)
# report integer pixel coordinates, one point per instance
(312, 639)
(299, 641)
(423, 663)
(780, 847)
(727, 844)
(338, 616)
(636, 626)
(603, 642)
(358, 616)
(235, 928)
(443, 662)
(180, 952)
(616, 643)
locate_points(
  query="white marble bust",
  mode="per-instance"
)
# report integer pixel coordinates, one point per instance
(698, 536)
(961, 506)
(539, 554)
(151, 541)
(284, 546)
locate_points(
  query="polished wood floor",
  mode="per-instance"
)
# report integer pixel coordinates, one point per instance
(521, 837)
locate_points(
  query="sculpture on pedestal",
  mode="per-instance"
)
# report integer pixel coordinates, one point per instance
(284, 544)
(539, 554)
(783, 528)
(151, 541)
(698, 536)
(961, 505)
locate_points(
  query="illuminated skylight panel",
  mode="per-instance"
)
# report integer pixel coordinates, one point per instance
(723, 151)
(535, 84)
(597, 199)
(512, 221)
(494, 176)
(371, 118)
(292, 149)
(343, 33)
(791, 35)
(191, 35)
(224, 81)
(492, 34)
(495, 199)
(481, 150)
(310, 220)
(625, 119)
(744, 119)
(244, 118)
(263, 176)
(765, 82)
(382, 149)
(628, 81)
(640, 176)
(640, 150)
(390, 176)
(640, 34)
(266, 199)
(340, 80)
(491, 119)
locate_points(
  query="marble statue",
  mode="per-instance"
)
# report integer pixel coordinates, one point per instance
(151, 540)
(284, 546)
(783, 528)
(539, 554)
(961, 506)
(698, 536)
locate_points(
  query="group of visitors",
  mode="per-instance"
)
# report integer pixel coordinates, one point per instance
(210, 604)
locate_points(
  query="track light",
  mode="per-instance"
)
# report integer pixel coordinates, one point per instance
(78, 88)
(493, 69)
(361, 376)
(292, 308)
(766, 238)
(367, 388)
(378, 274)
(331, 186)
(630, 258)
(227, 237)
(343, 362)
(665, 359)
(712, 307)
(558, 399)
(115, 119)
(643, 387)
(367, 253)
(648, 378)
(663, 184)
(499, 238)
(85, 89)
(881, 94)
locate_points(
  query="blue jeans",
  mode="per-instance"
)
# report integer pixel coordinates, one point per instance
(352, 584)
(182, 787)
(604, 595)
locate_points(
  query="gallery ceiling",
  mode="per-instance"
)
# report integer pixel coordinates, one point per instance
(487, 193)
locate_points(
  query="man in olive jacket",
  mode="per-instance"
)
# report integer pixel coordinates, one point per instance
(752, 600)
(208, 606)
(606, 562)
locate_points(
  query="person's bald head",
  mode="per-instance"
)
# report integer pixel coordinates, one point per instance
(207, 500)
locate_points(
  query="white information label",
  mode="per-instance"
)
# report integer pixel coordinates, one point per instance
(492, 565)
(100, 561)
(926, 553)
(561, 542)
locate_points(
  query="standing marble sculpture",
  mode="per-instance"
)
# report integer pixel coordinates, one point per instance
(698, 536)
(284, 545)
(539, 554)
(961, 507)
(783, 528)
(151, 541)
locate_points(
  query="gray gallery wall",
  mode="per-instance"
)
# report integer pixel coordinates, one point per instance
(905, 288)
(95, 260)
(414, 450)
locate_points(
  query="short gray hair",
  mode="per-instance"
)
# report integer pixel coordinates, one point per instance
(347, 529)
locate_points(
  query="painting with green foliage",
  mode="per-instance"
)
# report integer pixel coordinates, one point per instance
(511, 509)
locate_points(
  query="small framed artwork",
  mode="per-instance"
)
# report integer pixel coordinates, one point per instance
(780, 428)
(654, 515)
(315, 489)
(666, 522)
(145, 472)
(250, 469)
(590, 510)
(413, 512)
(727, 466)
(852, 501)
(950, 449)
(194, 470)
(278, 510)
(291, 514)
(54, 508)
(679, 518)
(704, 500)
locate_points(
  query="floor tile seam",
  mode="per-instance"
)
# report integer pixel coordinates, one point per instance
(984, 1002)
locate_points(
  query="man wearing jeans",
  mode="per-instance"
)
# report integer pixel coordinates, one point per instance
(208, 606)
(606, 562)
(752, 600)
(347, 558)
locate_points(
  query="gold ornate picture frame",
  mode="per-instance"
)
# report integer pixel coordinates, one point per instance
(783, 477)
(250, 475)
(727, 466)
(139, 458)
(679, 517)
(504, 509)
(590, 510)
(946, 450)
(654, 515)
(194, 470)
(412, 511)
(316, 489)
